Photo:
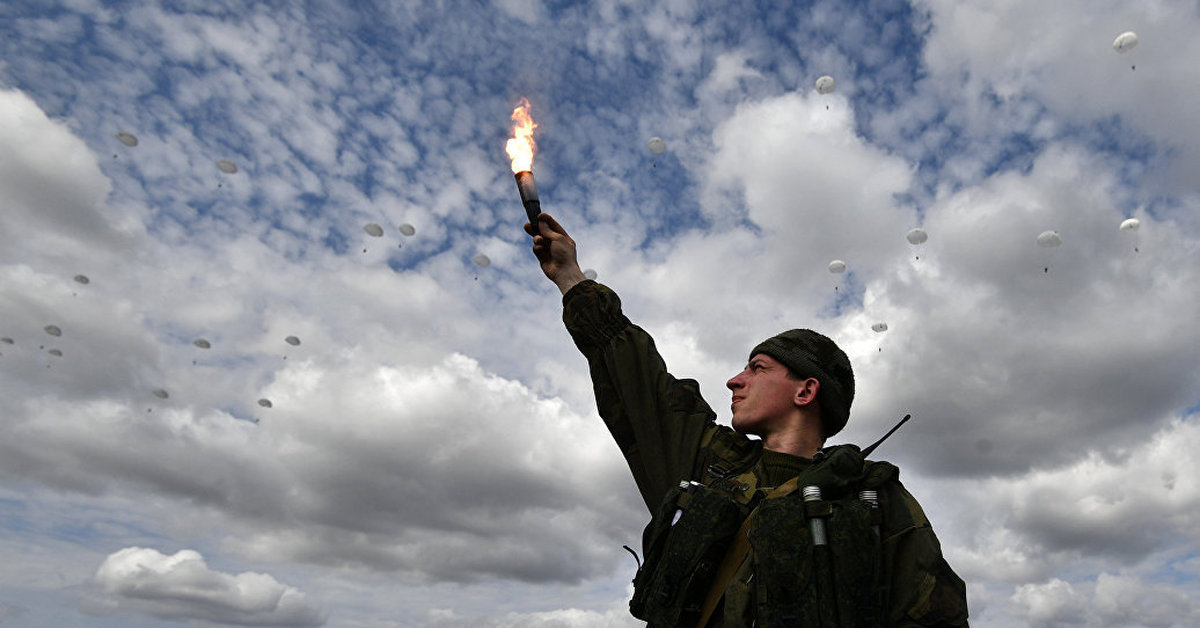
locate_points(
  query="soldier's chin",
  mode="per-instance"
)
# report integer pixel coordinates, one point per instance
(746, 428)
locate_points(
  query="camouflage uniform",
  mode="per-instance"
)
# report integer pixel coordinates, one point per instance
(660, 422)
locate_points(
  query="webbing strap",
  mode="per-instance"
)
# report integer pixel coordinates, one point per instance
(736, 555)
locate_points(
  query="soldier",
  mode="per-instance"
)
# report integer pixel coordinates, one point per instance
(773, 531)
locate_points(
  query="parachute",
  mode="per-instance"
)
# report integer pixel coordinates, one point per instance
(292, 340)
(55, 352)
(656, 145)
(482, 260)
(917, 236)
(266, 403)
(879, 327)
(128, 139)
(53, 330)
(202, 343)
(1131, 225)
(6, 340)
(837, 267)
(373, 230)
(589, 274)
(160, 393)
(825, 85)
(1049, 239)
(83, 279)
(407, 229)
(226, 166)
(1125, 42)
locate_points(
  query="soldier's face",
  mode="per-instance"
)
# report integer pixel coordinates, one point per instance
(763, 393)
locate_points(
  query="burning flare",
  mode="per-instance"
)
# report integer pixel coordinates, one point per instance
(520, 146)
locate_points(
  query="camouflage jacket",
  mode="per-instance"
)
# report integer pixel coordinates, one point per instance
(661, 424)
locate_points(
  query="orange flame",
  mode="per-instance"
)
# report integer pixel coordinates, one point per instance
(520, 147)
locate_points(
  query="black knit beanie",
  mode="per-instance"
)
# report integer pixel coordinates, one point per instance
(809, 354)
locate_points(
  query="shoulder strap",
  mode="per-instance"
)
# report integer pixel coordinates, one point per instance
(871, 475)
(725, 453)
(736, 555)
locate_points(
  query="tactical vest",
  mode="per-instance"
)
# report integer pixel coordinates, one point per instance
(835, 581)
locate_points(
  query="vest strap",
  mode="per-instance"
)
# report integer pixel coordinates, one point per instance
(737, 554)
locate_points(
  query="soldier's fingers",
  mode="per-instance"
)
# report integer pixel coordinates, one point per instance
(551, 223)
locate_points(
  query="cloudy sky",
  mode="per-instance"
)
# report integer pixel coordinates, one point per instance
(431, 455)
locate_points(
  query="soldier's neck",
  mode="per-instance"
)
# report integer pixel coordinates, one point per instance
(797, 442)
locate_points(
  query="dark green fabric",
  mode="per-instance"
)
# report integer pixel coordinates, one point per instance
(656, 419)
(779, 467)
(683, 546)
(834, 584)
(659, 421)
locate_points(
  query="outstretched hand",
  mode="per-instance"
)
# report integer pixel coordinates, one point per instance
(555, 252)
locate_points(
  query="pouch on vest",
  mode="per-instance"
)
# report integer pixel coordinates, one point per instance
(684, 544)
(802, 584)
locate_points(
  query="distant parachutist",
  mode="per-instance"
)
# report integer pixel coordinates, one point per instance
(1048, 239)
(917, 237)
(1131, 225)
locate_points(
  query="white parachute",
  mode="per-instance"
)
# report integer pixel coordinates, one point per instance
(916, 236)
(1125, 42)
(202, 343)
(226, 166)
(128, 139)
(657, 145)
(590, 274)
(826, 85)
(837, 267)
(879, 327)
(1049, 239)
(407, 229)
(373, 230)
(1131, 225)
(482, 260)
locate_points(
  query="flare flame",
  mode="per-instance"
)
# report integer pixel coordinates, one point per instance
(520, 147)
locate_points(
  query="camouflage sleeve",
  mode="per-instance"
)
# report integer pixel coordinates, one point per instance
(656, 419)
(924, 591)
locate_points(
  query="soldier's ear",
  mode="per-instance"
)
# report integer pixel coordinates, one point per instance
(806, 392)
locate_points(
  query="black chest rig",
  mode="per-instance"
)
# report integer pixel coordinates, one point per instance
(814, 541)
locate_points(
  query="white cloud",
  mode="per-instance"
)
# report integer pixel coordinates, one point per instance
(1127, 600)
(528, 11)
(728, 72)
(560, 618)
(1112, 600)
(1019, 51)
(53, 188)
(1054, 603)
(182, 587)
(432, 443)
